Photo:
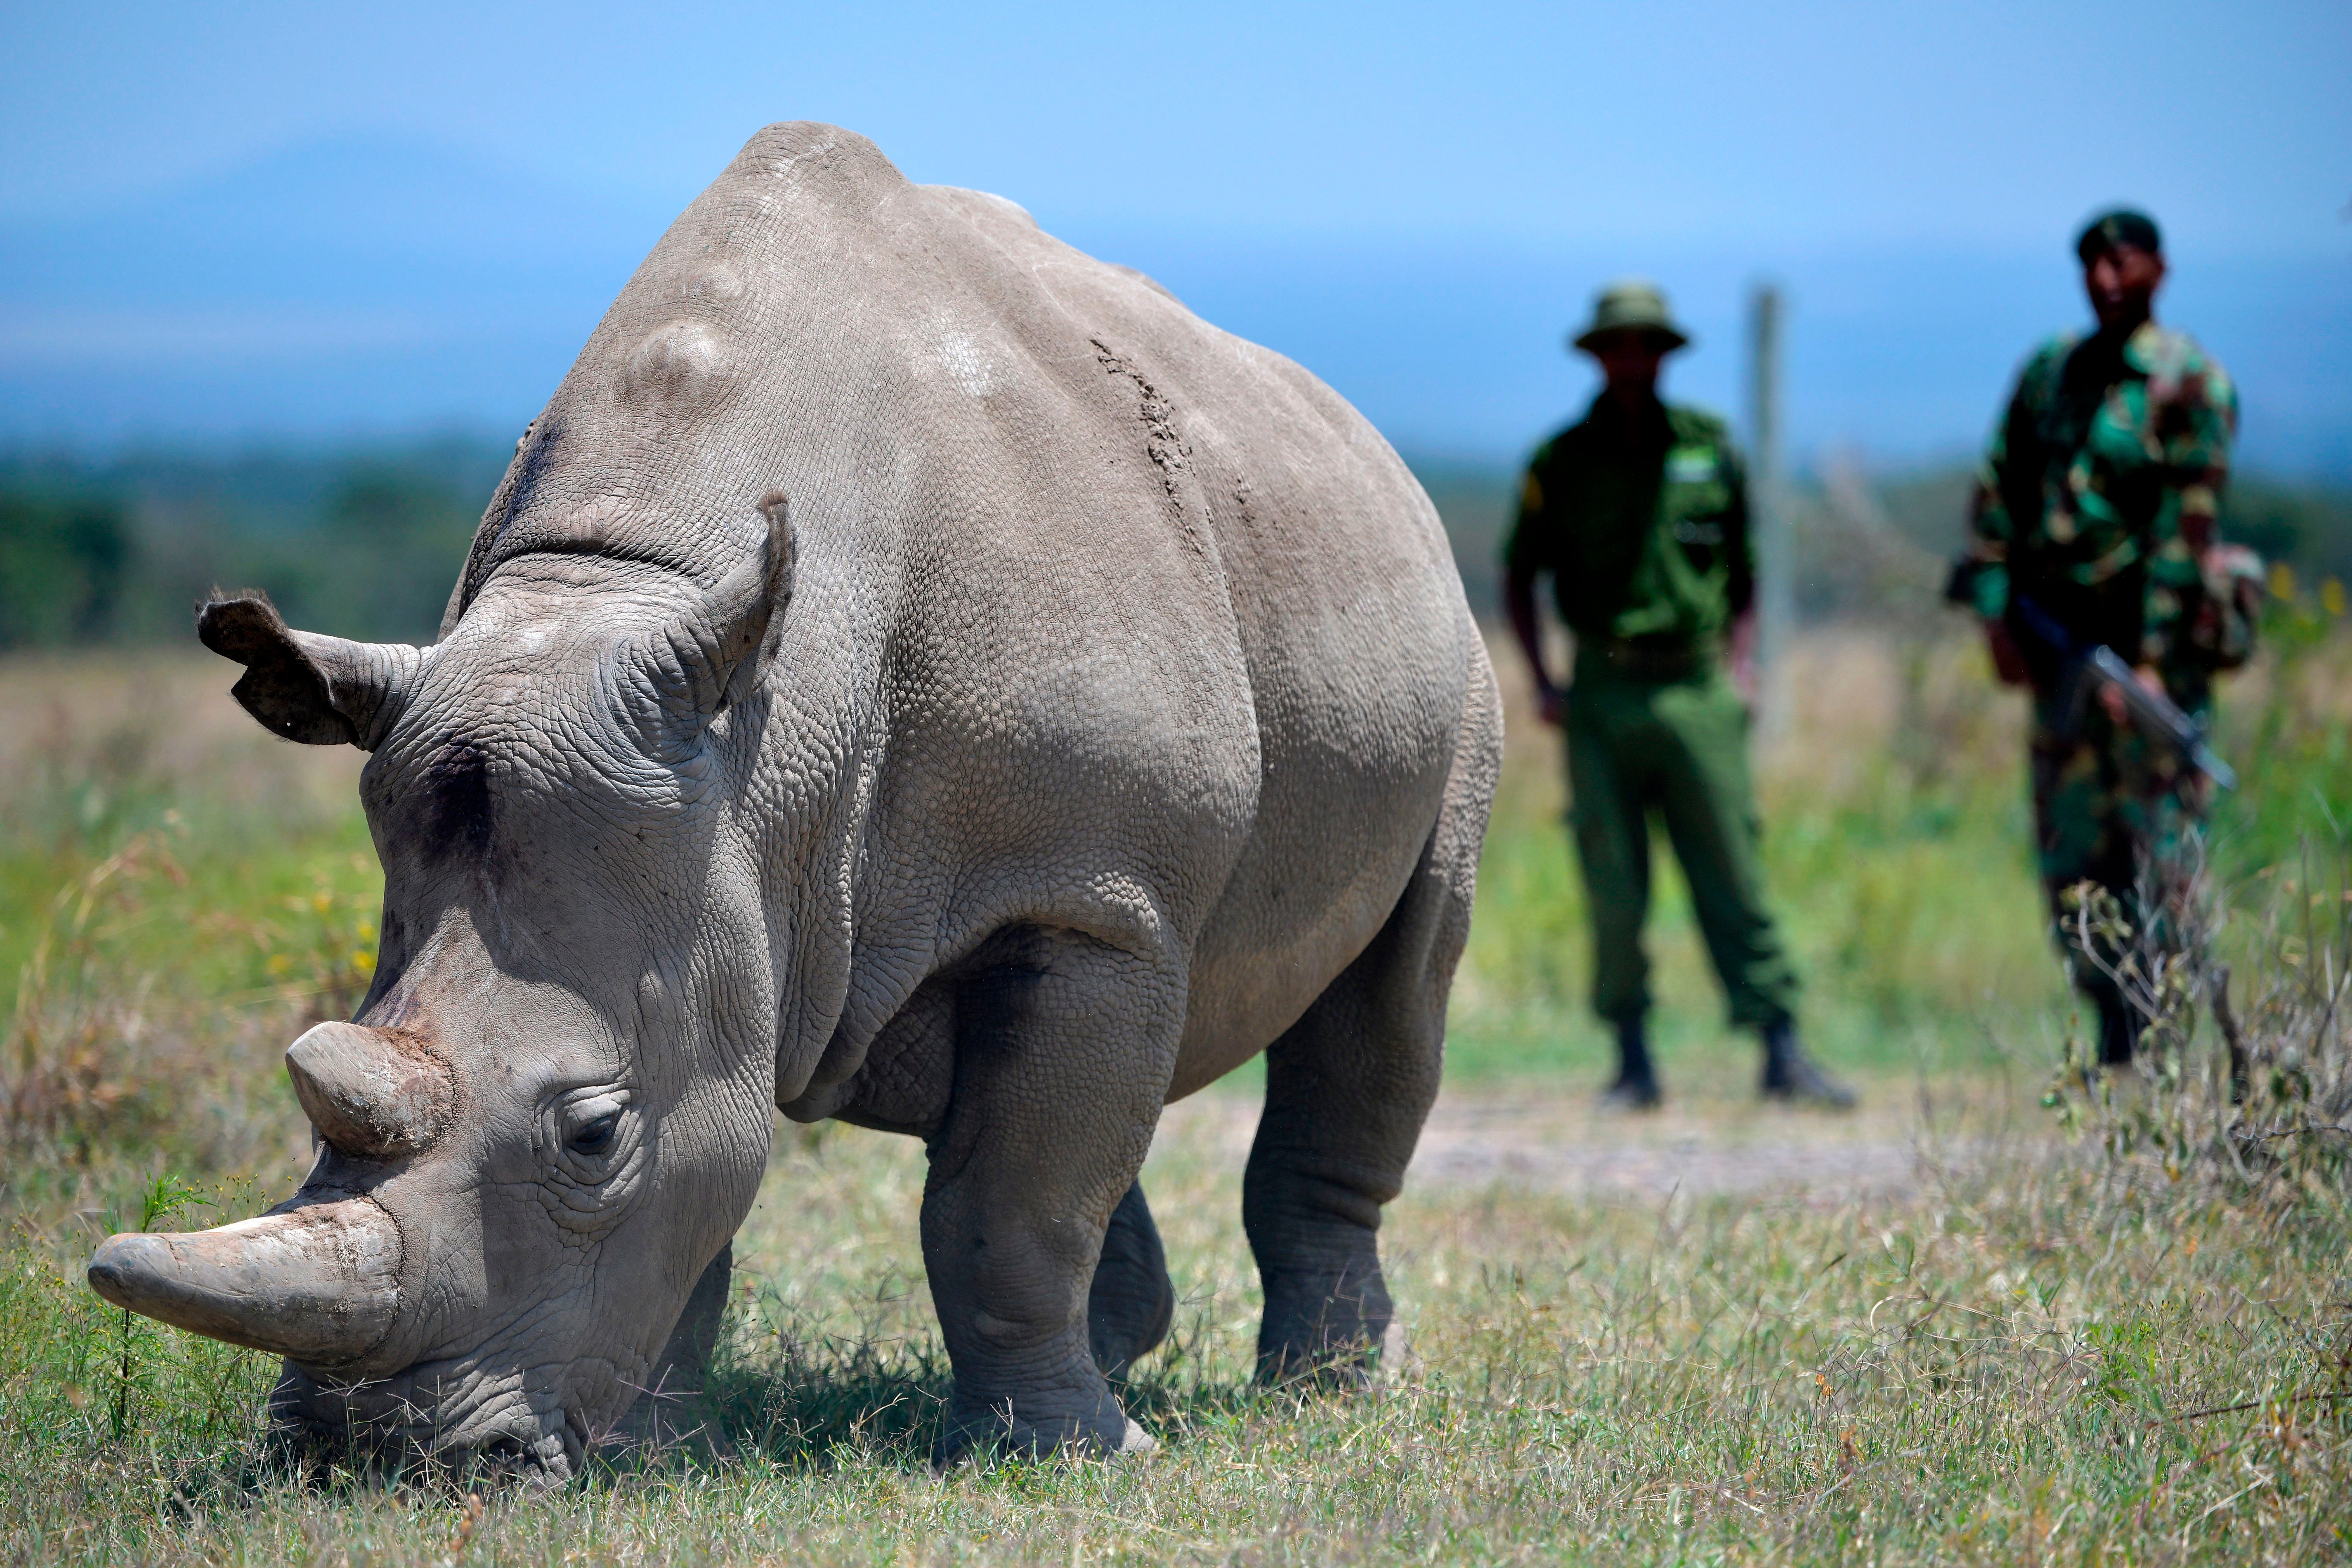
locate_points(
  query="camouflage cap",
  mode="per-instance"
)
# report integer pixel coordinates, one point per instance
(2121, 225)
(1631, 305)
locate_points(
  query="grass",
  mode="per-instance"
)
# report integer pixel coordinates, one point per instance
(2116, 1346)
(2034, 1368)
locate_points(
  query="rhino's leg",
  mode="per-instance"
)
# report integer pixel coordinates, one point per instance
(1132, 1302)
(1063, 1048)
(1346, 1089)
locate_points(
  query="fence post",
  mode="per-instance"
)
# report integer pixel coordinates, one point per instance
(1775, 610)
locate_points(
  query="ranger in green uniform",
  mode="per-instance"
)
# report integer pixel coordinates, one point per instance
(1639, 515)
(2094, 516)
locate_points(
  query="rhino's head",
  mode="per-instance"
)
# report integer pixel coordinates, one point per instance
(553, 1106)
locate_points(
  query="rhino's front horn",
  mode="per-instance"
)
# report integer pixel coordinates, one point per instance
(369, 1093)
(319, 1284)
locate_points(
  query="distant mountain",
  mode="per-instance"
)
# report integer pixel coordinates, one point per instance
(347, 222)
(1902, 356)
(359, 286)
(344, 287)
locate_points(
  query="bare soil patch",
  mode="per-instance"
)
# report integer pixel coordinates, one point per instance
(1562, 1141)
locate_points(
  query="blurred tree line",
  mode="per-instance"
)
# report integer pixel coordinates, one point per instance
(1876, 546)
(366, 543)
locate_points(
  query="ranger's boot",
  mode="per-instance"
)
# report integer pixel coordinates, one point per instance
(1793, 1076)
(1636, 1088)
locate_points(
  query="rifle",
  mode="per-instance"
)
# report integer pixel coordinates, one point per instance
(2153, 715)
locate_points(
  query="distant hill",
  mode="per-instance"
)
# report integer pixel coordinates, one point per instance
(369, 287)
(344, 222)
(340, 287)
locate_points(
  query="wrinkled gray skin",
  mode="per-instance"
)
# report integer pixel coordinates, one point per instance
(1100, 710)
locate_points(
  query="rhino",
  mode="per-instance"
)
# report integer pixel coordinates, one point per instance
(910, 672)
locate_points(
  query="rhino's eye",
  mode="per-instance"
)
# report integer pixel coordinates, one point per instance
(596, 1136)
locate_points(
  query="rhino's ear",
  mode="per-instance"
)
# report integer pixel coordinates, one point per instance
(747, 607)
(696, 667)
(320, 691)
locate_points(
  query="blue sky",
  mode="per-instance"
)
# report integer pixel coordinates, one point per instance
(1457, 177)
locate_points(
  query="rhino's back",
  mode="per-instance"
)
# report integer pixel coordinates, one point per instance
(1337, 589)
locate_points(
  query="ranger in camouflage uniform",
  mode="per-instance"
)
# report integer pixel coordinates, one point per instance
(1639, 515)
(2096, 505)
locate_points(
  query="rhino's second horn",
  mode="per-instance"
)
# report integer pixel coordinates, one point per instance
(319, 1284)
(369, 1093)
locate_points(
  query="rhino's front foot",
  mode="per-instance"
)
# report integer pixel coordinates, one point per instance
(1035, 1426)
(1027, 1387)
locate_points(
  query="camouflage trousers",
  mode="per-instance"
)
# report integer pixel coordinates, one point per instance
(2126, 818)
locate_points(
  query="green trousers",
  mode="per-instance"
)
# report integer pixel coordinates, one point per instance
(1679, 748)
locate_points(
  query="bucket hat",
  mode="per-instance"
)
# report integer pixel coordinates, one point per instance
(1631, 305)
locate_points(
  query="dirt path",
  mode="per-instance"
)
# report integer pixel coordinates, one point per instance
(1563, 1144)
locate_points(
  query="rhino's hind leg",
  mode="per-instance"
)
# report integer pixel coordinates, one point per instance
(1063, 1048)
(1346, 1089)
(1132, 1302)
